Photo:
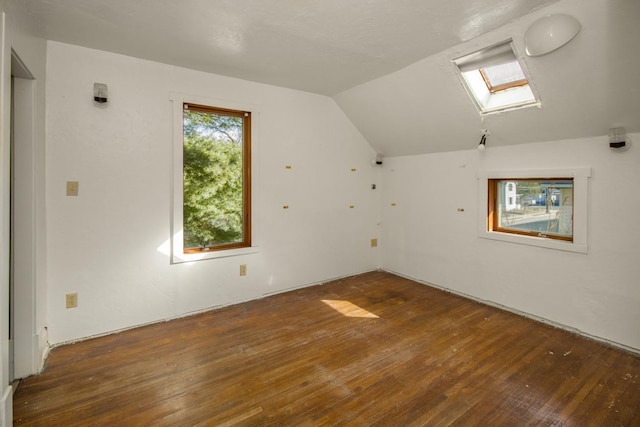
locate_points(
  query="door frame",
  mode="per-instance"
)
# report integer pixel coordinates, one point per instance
(25, 357)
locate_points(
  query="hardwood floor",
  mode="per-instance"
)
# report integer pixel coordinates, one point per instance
(411, 355)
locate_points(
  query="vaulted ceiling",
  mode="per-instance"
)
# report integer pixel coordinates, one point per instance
(322, 46)
(386, 63)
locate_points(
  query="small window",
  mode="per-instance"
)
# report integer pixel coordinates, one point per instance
(543, 207)
(216, 178)
(495, 79)
(546, 208)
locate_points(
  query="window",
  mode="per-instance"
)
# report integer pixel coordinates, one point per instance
(216, 167)
(495, 79)
(542, 208)
(213, 197)
(546, 208)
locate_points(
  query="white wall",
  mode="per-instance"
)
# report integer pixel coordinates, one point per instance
(110, 243)
(426, 237)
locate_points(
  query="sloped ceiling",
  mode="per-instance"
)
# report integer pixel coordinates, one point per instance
(321, 46)
(586, 87)
(387, 64)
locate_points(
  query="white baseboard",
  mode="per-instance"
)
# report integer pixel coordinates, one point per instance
(522, 313)
(6, 407)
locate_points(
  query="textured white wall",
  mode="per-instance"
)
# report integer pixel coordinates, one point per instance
(109, 243)
(427, 238)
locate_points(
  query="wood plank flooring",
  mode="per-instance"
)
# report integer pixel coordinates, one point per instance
(381, 350)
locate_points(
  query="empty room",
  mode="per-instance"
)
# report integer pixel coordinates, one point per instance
(266, 212)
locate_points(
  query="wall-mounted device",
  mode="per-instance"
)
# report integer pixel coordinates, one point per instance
(100, 94)
(377, 161)
(618, 138)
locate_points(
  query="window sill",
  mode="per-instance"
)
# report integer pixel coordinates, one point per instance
(179, 258)
(535, 241)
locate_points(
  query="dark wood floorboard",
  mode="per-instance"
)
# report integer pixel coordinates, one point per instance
(428, 358)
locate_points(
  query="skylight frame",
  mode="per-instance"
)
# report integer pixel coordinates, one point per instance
(490, 99)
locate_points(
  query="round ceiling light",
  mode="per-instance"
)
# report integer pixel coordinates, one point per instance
(549, 33)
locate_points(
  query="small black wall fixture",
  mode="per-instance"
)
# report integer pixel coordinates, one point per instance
(100, 94)
(618, 138)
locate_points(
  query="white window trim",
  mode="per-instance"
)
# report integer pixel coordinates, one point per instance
(580, 207)
(177, 199)
(504, 100)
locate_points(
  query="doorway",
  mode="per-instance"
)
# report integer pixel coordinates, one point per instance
(23, 342)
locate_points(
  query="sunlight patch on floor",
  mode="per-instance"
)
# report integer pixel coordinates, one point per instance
(349, 309)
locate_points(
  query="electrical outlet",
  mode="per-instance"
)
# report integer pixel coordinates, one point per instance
(72, 188)
(374, 243)
(72, 300)
(243, 269)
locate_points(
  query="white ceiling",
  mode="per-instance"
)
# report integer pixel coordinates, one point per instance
(387, 64)
(321, 46)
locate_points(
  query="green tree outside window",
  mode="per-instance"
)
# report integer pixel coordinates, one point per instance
(213, 179)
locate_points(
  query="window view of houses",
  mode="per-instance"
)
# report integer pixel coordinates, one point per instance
(544, 207)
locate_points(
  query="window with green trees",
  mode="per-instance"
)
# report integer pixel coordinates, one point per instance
(216, 178)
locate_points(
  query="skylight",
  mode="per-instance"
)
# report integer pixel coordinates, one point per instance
(495, 79)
